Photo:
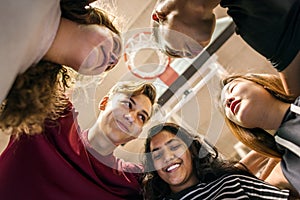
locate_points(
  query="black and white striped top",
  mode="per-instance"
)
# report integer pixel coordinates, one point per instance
(231, 187)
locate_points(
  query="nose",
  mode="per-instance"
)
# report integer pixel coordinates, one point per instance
(129, 117)
(112, 62)
(113, 59)
(155, 17)
(169, 156)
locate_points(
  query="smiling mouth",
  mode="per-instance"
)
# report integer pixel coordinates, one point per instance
(122, 126)
(172, 167)
(234, 105)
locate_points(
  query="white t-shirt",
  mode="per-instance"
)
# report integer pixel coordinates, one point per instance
(28, 28)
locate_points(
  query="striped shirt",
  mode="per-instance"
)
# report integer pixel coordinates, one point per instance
(233, 186)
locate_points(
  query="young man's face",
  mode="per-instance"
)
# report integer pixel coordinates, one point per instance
(124, 117)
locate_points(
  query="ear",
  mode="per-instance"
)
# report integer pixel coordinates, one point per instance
(103, 103)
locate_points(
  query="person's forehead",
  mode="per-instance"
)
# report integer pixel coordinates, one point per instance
(143, 101)
(233, 81)
(163, 138)
(140, 100)
(138, 97)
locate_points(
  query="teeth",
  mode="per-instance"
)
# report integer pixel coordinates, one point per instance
(172, 167)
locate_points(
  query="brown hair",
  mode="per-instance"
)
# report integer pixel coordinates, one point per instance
(256, 138)
(82, 13)
(36, 94)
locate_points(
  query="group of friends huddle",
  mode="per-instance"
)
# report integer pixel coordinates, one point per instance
(48, 155)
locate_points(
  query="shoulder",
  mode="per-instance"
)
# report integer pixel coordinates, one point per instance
(287, 135)
(297, 101)
(250, 186)
(254, 187)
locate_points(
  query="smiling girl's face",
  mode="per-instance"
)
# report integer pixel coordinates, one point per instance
(173, 161)
(245, 102)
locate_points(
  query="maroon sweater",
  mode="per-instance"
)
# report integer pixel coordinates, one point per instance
(56, 165)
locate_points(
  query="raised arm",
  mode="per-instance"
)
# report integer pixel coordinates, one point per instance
(254, 162)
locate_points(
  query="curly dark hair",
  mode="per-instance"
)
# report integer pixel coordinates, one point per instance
(36, 94)
(206, 162)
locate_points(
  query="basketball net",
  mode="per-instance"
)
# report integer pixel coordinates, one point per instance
(142, 41)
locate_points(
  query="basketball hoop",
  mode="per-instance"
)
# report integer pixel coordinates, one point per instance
(138, 42)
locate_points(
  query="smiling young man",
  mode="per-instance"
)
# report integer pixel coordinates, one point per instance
(124, 111)
(62, 162)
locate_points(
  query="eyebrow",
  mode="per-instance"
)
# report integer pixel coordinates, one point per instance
(167, 143)
(143, 111)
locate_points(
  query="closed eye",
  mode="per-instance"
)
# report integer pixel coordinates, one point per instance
(156, 155)
(231, 88)
(175, 147)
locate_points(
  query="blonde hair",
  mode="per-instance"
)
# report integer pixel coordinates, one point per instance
(256, 138)
(135, 88)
